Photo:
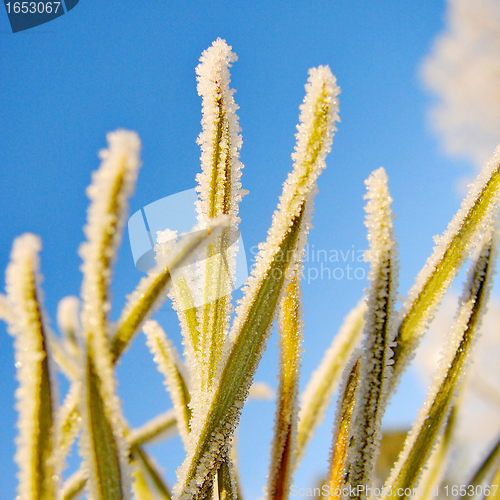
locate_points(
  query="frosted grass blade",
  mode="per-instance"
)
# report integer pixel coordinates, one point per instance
(324, 381)
(102, 445)
(378, 332)
(214, 422)
(220, 192)
(342, 432)
(169, 365)
(462, 235)
(283, 447)
(35, 397)
(495, 486)
(68, 422)
(433, 414)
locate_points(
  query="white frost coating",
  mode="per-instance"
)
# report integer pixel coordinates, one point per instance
(319, 112)
(455, 337)
(111, 186)
(169, 364)
(443, 242)
(68, 322)
(6, 313)
(219, 188)
(219, 140)
(379, 332)
(324, 381)
(22, 279)
(67, 314)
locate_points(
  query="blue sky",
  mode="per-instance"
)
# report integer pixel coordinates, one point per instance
(108, 65)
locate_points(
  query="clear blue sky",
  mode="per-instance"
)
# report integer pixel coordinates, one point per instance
(131, 64)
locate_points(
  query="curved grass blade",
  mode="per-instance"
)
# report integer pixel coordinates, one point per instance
(214, 422)
(209, 452)
(324, 381)
(379, 333)
(433, 414)
(68, 420)
(285, 431)
(461, 237)
(342, 432)
(36, 398)
(170, 366)
(102, 445)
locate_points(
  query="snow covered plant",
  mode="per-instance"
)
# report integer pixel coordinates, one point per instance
(210, 383)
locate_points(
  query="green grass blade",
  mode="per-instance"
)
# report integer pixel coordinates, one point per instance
(433, 414)
(284, 443)
(220, 193)
(169, 365)
(379, 333)
(342, 432)
(324, 381)
(36, 398)
(101, 445)
(441, 268)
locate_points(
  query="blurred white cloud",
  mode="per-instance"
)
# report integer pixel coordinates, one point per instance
(463, 72)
